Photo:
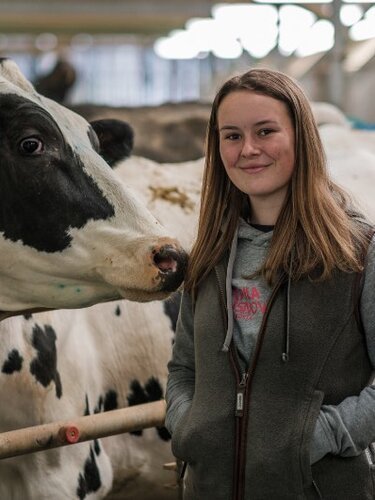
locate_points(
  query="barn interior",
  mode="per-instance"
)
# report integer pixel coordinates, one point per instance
(157, 64)
(142, 52)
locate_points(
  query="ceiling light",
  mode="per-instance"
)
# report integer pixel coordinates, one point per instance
(350, 14)
(320, 38)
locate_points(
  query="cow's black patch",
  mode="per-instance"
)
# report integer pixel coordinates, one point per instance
(172, 307)
(89, 481)
(99, 407)
(87, 407)
(13, 363)
(97, 447)
(44, 190)
(27, 316)
(163, 433)
(44, 366)
(118, 310)
(110, 400)
(106, 403)
(152, 391)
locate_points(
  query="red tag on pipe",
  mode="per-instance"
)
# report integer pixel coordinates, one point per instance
(71, 434)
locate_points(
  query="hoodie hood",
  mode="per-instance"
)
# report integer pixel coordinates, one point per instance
(251, 234)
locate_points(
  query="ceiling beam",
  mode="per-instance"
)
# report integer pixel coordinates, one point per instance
(96, 16)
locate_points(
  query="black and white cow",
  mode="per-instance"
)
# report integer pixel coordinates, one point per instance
(70, 234)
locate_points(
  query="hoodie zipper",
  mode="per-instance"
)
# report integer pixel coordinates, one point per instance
(240, 397)
(243, 394)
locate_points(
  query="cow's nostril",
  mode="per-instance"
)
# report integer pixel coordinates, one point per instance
(166, 260)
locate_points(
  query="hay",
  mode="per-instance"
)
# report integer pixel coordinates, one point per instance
(174, 195)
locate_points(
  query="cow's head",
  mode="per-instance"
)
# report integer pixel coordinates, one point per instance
(70, 233)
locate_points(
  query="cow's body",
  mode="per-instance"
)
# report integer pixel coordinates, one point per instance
(351, 160)
(100, 358)
(171, 132)
(96, 359)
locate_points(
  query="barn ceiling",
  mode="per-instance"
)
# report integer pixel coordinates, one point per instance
(139, 17)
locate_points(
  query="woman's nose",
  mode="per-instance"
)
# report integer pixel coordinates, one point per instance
(249, 147)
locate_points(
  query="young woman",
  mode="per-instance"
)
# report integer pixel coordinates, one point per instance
(269, 393)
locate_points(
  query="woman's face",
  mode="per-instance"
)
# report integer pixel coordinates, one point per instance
(256, 136)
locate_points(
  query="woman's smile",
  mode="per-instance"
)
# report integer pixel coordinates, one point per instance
(253, 169)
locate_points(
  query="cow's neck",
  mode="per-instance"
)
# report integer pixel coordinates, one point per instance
(9, 314)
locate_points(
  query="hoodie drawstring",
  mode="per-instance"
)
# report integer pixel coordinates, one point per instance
(228, 290)
(285, 354)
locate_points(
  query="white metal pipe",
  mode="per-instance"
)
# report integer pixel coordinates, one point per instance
(336, 81)
(63, 433)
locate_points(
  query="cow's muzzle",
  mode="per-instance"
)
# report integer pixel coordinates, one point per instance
(171, 262)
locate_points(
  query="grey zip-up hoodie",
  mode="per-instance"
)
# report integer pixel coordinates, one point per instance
(344, 429)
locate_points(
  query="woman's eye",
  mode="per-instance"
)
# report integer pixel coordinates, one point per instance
(264, 131)
(31, 146)
(232, 137)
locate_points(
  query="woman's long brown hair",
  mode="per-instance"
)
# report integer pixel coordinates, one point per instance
(315, 225)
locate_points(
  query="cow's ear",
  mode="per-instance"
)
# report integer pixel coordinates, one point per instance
(116, 139)
(11, 72)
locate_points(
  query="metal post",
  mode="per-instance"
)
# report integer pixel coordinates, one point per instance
(336, 75)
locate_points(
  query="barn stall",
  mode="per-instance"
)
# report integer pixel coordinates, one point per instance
(116, 68)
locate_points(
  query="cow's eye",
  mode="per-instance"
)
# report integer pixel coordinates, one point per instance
(31, 146)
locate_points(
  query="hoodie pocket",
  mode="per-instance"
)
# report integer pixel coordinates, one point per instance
(349, 478)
